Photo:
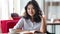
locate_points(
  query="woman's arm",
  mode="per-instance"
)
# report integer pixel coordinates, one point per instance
(25, 32)
(18, 30)
(19, 25)
(43, 24)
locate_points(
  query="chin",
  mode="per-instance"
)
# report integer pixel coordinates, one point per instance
(31, 14)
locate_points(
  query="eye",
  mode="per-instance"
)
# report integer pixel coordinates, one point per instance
(28, 8)
(33, 7)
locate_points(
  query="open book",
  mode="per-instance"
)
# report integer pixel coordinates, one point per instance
(35, 31)
(29, 32)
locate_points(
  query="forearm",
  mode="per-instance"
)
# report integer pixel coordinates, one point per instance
(26, 32)
(20, 30)
(43, 25)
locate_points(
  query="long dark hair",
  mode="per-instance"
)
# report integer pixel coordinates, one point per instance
(38, 12)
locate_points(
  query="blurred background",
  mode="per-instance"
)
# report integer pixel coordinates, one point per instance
(50, 8)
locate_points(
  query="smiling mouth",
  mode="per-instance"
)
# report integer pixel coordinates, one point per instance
(31, 13)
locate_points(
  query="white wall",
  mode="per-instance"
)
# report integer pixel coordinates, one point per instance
(0, 8)
(6, 7)
(16, 6)
(10, 6)
(4, 10)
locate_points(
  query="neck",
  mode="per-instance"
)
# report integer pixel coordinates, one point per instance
(32, 19)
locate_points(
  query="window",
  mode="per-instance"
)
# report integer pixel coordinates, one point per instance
(52, 9)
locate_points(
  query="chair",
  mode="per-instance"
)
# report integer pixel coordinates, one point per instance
(6, 24)
(11, 24)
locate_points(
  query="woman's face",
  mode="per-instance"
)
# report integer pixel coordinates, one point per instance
(31, 10)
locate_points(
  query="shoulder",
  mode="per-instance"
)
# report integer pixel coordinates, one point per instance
(22, 19)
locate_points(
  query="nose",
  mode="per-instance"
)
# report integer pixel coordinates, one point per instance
(30, 10)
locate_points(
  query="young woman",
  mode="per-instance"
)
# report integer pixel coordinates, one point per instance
(33, 19)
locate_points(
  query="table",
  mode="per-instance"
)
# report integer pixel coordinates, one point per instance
(53, 26)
